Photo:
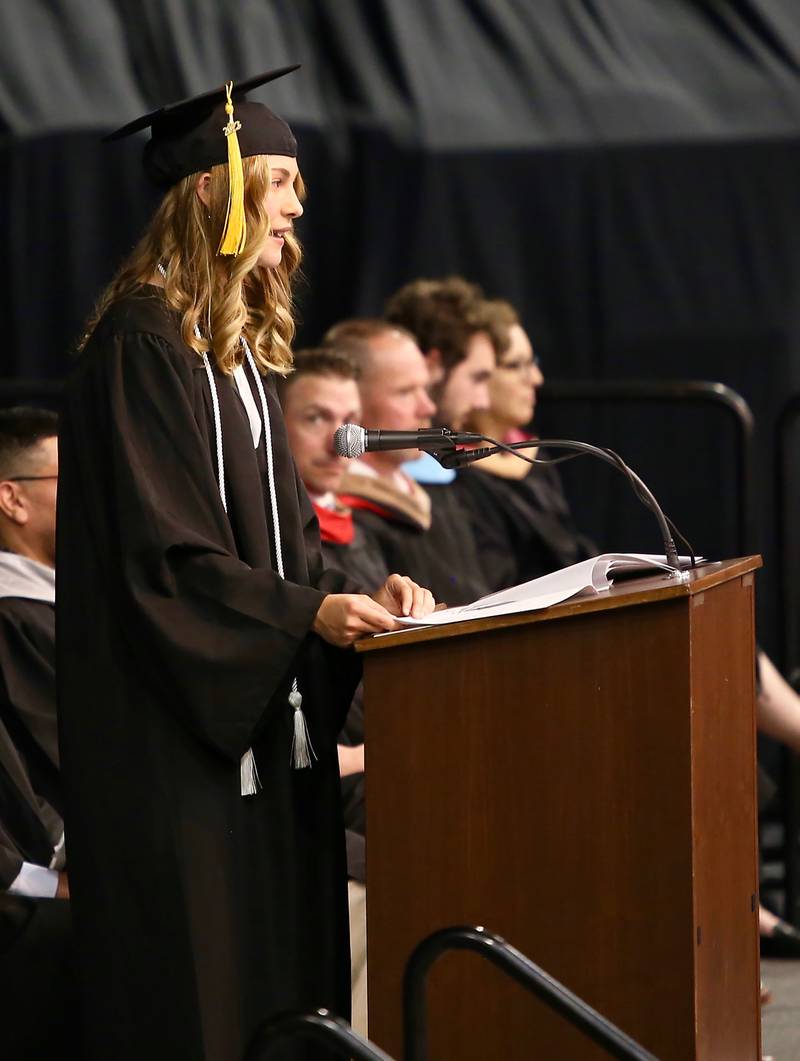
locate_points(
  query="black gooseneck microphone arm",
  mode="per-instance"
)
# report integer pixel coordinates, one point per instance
(458, 458)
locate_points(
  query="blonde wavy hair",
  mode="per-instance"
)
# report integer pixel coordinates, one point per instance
(224, 297)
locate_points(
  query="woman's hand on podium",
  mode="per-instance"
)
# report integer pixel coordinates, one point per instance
(400, 595)
(344, 617)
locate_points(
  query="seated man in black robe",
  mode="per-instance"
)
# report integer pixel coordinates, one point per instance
(35, 936)
(317, 398)
(430, 540)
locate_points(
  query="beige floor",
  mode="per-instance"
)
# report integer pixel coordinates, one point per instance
(780, 1020)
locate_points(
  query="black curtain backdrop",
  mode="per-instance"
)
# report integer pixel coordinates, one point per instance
(627, 174)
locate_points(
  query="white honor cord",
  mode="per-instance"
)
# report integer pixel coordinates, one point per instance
(273, 496)
(249, 781)
(217, 431)
(301, 749)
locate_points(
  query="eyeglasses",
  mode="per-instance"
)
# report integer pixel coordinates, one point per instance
(28, 478)
(522, 368)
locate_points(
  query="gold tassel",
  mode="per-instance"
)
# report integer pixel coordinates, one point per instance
(235, 230)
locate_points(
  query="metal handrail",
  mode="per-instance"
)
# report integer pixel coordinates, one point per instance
(512, 962)
(789, 624)
(321, 1026)
(698, 391)
(786, 547)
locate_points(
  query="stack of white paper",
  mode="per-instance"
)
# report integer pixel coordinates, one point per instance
(591, 576)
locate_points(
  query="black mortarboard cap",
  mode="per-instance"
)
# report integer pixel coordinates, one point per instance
(188, 136)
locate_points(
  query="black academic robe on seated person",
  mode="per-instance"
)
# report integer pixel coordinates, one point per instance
(198, 912)
(362, 561)
(31, 800)
(523, 528)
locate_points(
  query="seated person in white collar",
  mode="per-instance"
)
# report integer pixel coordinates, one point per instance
(33, 927)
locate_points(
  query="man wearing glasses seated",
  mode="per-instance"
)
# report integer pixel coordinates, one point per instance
(35, 934)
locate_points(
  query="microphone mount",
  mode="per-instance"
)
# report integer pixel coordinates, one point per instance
(451, 457)
(351, 440)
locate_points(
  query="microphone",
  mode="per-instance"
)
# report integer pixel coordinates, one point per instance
(350, 440)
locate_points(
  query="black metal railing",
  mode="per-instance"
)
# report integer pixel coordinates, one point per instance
(514, 964)
(788, 589)
(694, 392)
(789, 567)
(321, 1027)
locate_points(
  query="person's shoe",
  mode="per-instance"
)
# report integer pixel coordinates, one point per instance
(784, 942)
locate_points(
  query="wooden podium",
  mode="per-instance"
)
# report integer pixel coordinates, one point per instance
(580, 780)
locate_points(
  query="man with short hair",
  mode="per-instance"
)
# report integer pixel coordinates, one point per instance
(319, 396)
(36, 976)
(387, 503)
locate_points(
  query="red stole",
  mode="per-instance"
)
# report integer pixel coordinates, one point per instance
(335, 525)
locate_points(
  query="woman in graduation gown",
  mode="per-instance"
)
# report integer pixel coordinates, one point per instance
(519, 513)
(201, 672)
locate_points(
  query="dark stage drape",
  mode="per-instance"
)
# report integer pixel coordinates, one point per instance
(628, 174)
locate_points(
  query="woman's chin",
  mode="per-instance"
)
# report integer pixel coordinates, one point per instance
(270, 258)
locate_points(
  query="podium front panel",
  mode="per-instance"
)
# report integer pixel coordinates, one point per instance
(538, 780)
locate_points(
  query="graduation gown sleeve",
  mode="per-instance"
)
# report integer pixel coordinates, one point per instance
(29, 827)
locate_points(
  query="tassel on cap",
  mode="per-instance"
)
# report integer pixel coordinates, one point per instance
(235, 230)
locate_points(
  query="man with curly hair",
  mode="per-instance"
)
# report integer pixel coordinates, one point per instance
(449, 322)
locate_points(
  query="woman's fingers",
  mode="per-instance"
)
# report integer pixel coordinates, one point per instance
(401, 590)
(402, 596)
(415, 600)
(372, 614)
(343, 617)
(423, 603)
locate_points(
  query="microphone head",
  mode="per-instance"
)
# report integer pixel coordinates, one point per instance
(349, 440)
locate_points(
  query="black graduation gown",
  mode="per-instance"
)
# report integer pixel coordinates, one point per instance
(37, 974)
(31, 798)
(460, 578)
(523, 528)
(198, 912)
(442, 558)
(360, 560)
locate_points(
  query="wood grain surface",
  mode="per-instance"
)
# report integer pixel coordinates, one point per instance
(585, 788)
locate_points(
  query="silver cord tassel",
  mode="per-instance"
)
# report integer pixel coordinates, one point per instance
(248, 774)
(301, 742)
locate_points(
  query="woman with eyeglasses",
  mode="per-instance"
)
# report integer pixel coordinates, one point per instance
(520, 515)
